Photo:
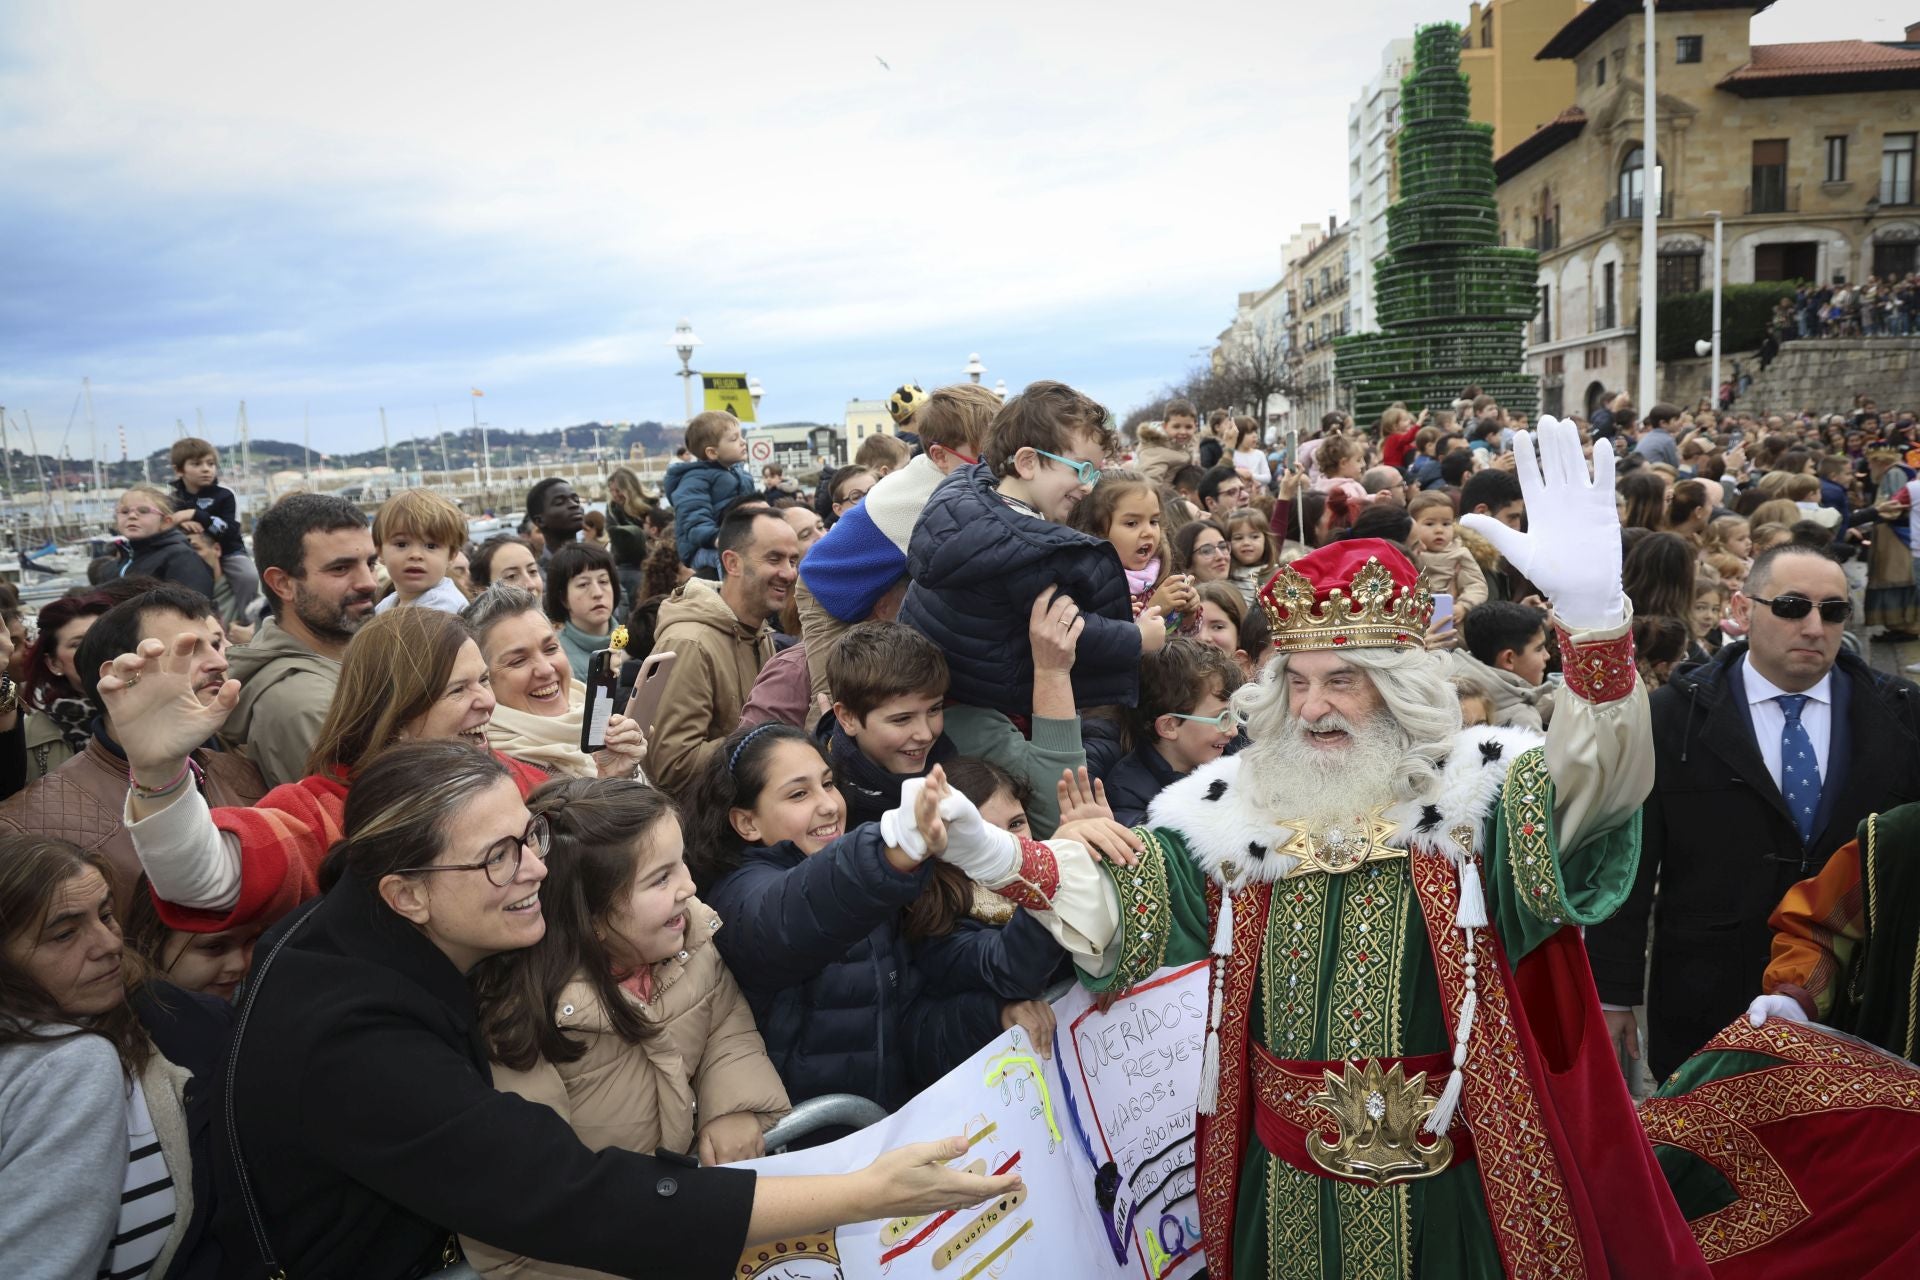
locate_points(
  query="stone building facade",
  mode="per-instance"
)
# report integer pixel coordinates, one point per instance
(1806, 150)
(1320, 310)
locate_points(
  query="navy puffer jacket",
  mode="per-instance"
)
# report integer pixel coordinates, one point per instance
(815, 944)
(699, 492)
(976, 566)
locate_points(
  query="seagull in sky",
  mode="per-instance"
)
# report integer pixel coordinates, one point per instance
(882, 61)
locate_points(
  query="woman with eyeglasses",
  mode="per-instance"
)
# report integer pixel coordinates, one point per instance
(361, 1134)
(155, 549)
(1203, 549)
(409, 675)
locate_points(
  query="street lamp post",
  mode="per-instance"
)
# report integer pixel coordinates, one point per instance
(1713, 388)
(755, 391)
(974, 368)
(1650, 175)
(683, 342)
(486, 453)
(1000, 389)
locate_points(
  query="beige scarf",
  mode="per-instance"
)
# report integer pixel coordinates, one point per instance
(546, 742)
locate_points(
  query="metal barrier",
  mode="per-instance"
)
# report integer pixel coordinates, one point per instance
(830, 1110)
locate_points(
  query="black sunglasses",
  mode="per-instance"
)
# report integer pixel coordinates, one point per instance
(1793, 608)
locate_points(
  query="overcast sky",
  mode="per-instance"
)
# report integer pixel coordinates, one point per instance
(343, 206)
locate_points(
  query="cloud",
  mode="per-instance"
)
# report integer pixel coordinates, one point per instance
(357, 204)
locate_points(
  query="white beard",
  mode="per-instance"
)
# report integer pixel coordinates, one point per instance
(1297, 783)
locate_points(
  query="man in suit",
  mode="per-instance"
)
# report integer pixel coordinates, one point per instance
(1766, 759)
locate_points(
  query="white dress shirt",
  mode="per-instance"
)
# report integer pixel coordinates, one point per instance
(1769, 719)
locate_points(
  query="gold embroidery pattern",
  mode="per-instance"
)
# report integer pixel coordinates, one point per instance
(1290, 978)
(1536, 873)
(1716, 1121)
(1364, 1011)
(1146, 912)
(1376, 1231)
(1293, 1222)
(1223, 1136)
(1527, 1203)
(1767, 1204)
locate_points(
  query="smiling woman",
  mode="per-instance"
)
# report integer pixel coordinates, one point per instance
(412, 674)
(540, 705)
(103, 1143)
(391, 1138)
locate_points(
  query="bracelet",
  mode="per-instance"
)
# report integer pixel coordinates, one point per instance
(9, 695)
(146, 792)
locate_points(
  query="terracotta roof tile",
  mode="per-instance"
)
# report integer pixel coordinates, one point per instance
(1823, 57)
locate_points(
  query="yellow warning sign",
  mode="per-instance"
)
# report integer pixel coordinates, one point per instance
(727, 393)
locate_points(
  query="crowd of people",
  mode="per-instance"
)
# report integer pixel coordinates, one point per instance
(327, 906)
(1880, 306)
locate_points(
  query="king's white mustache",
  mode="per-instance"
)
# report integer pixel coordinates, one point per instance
(1329, 723)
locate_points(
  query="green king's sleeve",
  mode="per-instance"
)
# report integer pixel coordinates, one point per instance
(1163, 912)
(1534, 887)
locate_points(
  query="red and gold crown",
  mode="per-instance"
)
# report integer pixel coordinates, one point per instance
(1361, 593)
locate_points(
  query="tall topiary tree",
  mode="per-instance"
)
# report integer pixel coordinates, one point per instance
(1452, 303)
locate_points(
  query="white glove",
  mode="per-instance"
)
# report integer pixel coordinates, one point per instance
(988, 855)
(1775, 1006)
(1571, 549)
(897, 825)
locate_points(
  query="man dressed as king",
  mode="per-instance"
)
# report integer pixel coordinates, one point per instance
(1406, 1072)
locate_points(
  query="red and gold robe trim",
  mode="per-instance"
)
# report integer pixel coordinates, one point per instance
(1223, 1135)
(1527, 1203)
(1597, 671)
(1039, 878)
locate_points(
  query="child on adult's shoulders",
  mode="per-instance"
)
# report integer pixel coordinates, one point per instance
(994, 536)
(701, 487)
(201, 504)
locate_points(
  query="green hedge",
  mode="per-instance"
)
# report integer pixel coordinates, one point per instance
(1745, 310)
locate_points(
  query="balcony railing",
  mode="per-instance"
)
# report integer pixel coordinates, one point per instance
(1542, 330)
(1549, 237)
(1605, 316)
(1619, 210)
(1773, 197)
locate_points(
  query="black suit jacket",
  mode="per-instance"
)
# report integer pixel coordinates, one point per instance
(1720, 841)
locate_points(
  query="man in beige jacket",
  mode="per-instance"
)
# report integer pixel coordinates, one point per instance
(720, 639)
(316, 561)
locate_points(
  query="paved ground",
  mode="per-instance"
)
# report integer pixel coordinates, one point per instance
(1892, 657)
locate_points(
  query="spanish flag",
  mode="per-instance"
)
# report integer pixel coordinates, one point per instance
(478, 392)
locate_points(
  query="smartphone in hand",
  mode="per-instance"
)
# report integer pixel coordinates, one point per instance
(602, 686)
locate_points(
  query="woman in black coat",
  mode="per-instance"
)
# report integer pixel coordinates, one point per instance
(362, 1130)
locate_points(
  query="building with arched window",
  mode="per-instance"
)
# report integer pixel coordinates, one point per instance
(1806, 150)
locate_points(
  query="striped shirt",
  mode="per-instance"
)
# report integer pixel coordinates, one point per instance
(146, 1198)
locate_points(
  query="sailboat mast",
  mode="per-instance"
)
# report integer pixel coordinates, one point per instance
(385, 444)
(93, 434)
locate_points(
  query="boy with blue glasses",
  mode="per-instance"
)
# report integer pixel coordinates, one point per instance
(996, 536)
(1181, 722)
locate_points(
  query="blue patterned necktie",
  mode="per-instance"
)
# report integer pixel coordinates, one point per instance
(1799, 767)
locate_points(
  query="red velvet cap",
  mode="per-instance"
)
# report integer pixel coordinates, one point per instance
(1359, 593)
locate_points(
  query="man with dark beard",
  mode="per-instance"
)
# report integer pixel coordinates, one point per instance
(1406, 1071)
(316, 562)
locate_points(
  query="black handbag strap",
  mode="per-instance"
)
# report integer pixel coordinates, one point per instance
(274, 1270)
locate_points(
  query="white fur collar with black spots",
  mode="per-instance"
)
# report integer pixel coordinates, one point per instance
(1236, 844)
